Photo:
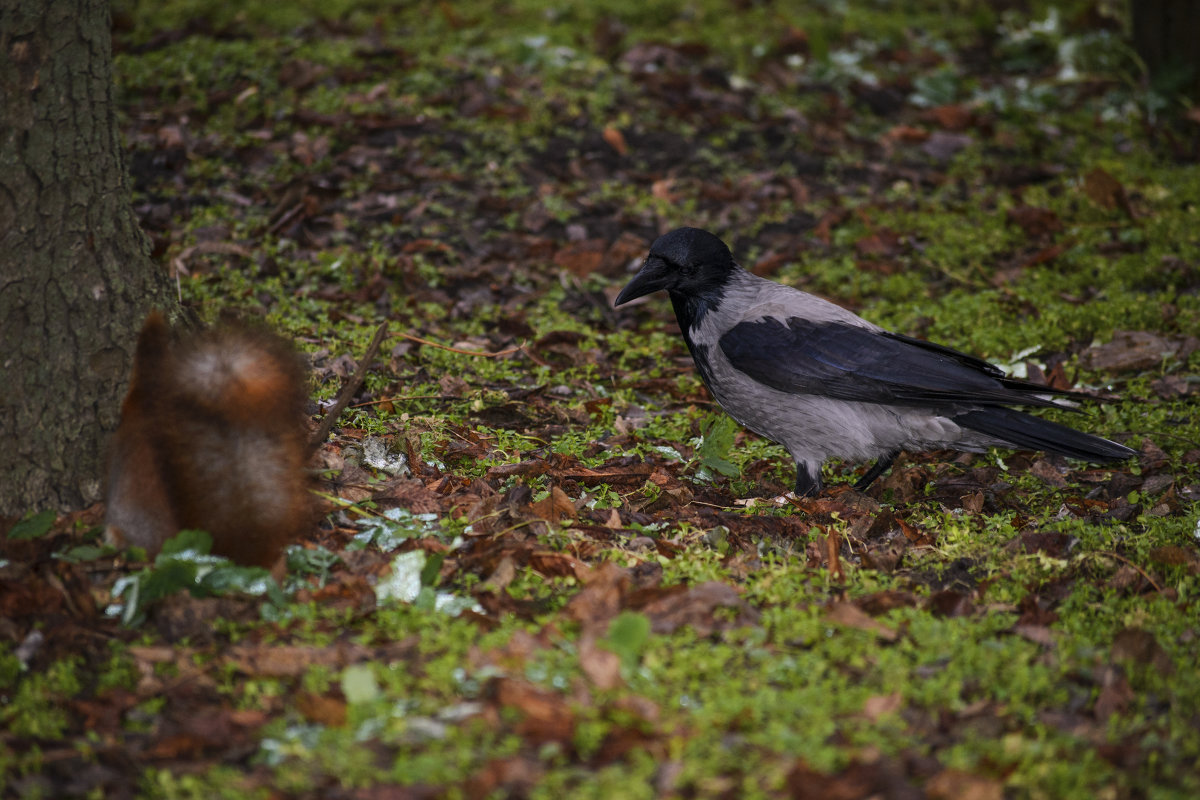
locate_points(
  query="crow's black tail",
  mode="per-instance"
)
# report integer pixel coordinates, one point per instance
(1028, 432)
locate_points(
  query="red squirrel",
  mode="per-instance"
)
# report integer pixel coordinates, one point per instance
(213, 436)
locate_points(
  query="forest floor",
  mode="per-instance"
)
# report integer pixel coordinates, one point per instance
(549, 565)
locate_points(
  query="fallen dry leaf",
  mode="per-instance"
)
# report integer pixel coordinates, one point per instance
(322, 709)
(957, 784)
(545, 716)
(878, 705)
(1128, 351)
(851, 616)
(582, 258)
(602, 666)
(1140, 647)
(554, 507)
(616, 140)
(696, 608)
(1115, 693)
(1106, 191)
(1036, 222)
(601, 597)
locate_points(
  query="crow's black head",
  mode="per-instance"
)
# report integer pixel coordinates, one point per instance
(687, 262)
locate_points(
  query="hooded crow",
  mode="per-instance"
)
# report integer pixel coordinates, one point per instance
(825, 383)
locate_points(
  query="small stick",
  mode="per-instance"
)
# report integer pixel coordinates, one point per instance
(1138, 569)
(349, 389)
(401, 397)
(479, 353)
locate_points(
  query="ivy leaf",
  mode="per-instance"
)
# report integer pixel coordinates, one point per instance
(715, 444)
(628, 634)
(33, 526)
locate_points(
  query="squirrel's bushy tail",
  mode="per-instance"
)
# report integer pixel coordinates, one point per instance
(212, 437)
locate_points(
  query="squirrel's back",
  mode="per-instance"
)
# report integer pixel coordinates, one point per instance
(213, 437)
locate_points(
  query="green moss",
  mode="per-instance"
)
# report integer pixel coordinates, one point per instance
(492, 110)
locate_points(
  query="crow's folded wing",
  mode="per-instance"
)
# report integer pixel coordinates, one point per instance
(848, 362)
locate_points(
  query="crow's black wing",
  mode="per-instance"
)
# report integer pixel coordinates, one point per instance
(848, 362)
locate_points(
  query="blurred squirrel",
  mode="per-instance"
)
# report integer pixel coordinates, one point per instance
(213, 436)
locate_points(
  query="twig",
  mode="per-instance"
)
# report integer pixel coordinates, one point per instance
(349, 389)
(400, 397)
(1136, 568)
(479, 353)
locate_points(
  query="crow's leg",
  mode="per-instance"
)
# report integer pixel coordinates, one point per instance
(808, 484)
(881, 466)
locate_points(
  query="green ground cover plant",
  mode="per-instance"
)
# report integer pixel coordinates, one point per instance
(569, 578)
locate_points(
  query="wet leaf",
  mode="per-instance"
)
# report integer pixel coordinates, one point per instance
(627, 636)
(851, 616)
(1106, 191)
(359, 685)
(33, 526)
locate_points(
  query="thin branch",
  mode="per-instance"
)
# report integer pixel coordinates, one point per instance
(349, 389)
(401, 397)
(479, 353)
(1136, 568)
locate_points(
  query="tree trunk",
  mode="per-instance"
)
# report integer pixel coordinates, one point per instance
(1165, 34)
(75, 275)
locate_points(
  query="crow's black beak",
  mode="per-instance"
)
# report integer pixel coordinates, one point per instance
(654, 275)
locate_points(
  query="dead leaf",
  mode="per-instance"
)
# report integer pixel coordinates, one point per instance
(504, 574)
(1174, 556)
(828, 221)
(884, 601)
(601, 666)
(957, 784)
(1128, 351)
(582, 258)
(662, 190)
(851, 616)
(879, 705)
(545, 716)
(207, 730)
(952, 117)
(561, 565)
(696, 608)
(322, 709)
(861, 779)
(601, 598)
(1044, 256)
(833, 542)
(283, 661)
(943, 146)
(950, 603)
(1036, 222)
(1043, 469)
(973, 502)
(1106, 191)
(554, 507)
(1115, 693)
(1053, 543)
(1140, 647)
(503, 777)
(907, 134)
(1170, 387)
(171, 136)
(616, 140)
(1038, 634)
(453, 386)
(880, 244)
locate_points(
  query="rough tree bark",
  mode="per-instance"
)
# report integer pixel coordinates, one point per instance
(75, 277)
